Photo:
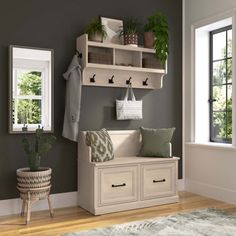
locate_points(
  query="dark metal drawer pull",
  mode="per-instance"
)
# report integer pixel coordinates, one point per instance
(159, 181)
(118, 185)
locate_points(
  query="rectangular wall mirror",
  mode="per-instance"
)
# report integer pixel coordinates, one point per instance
(31, 89)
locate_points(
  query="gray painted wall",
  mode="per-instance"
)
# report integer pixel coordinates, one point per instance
(56, 24)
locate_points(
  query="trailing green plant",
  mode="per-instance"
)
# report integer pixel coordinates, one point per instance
(158, 24)
(130, 26)
(36, 150)
(96, 27)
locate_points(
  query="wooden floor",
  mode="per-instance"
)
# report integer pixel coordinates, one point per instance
(76, 219)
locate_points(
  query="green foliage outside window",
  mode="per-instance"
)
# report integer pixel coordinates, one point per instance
(222, 123)
(30, 83)
(29, 110)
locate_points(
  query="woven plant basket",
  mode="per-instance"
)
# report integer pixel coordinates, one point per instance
(152, 63)
(29, 180)
(131, 39)
(100, 58)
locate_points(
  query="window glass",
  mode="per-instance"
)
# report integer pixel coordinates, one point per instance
(28, 111)
(29, 82)
(229, 43)
(219, 126)
(219, 72)
(221, 85)
(219, 45)
(219, 94)
(229, 70)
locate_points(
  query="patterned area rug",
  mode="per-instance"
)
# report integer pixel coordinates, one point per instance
(207, 222)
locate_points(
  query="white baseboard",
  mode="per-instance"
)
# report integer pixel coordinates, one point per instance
(181, 185)
(59, 200)
(211, 191)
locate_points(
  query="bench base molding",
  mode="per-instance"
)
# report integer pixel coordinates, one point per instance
(133, 205)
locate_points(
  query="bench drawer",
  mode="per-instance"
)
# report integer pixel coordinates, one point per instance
(158, 180)
(117, 185)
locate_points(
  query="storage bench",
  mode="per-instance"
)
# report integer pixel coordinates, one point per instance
(128, 181)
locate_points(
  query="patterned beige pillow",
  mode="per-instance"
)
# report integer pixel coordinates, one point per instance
(101, 145)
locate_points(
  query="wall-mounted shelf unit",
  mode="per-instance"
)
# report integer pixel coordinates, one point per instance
(112, 65)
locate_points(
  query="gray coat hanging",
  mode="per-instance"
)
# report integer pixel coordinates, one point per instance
(73, 100)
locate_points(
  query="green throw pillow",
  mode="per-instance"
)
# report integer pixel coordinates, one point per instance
(101, 145)
(155, 142)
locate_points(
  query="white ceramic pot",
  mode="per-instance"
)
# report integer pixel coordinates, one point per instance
(96, 38)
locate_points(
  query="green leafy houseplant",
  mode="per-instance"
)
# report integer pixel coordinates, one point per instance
(130, 26)
(35, 151)
(96, 30)
(158, 24)
(130, 31)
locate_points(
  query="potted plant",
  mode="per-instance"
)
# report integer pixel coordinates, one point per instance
(157, 36)
(96, 31)
(34, 176)
(130, 31)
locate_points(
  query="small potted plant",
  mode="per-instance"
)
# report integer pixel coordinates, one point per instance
(96, 31)
(157, 36)
(34, 176)
(130, 31)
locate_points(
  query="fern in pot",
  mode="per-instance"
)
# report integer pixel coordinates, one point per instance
(34, 176)
(156, 36)
(130, 32)
(96, 31)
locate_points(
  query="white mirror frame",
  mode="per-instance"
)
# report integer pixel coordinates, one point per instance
(31, 129)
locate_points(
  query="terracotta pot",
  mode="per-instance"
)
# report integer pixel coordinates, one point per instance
(149, 39)
(131, 39)
(27, 179)
(96, 37)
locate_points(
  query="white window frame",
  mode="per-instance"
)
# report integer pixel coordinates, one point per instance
(200, 80)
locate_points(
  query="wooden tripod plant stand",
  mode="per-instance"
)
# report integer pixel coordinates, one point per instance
(30, 196)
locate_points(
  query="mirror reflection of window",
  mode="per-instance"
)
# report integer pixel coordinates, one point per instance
(31, 87)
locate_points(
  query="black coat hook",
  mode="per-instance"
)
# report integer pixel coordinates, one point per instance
(111, 80)
(128, 81)
(145, 82)
(92, 80)
(79, 54)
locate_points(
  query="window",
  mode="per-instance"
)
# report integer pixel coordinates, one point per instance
(221, 85)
